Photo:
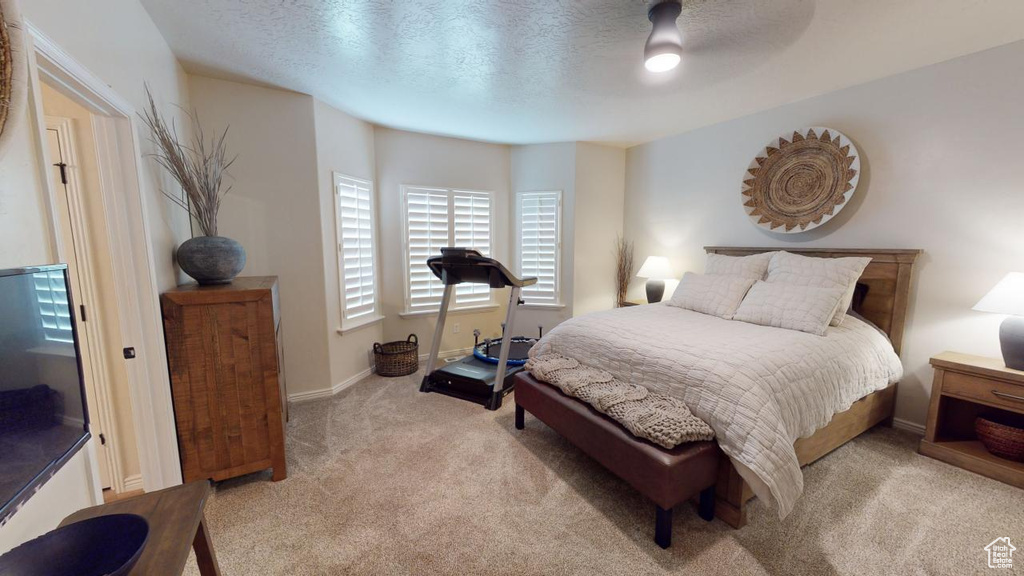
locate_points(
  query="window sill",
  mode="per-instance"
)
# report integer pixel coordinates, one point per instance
(466, 310)
(347, 327)
(542, 306)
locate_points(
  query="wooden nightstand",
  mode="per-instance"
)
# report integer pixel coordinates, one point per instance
(964, 388)
(638, 302)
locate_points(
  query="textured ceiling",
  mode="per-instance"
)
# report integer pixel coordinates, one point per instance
(525, 71)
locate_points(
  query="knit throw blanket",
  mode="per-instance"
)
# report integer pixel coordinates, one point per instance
(663, 420)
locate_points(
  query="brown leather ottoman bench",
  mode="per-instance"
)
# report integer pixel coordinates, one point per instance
(668, 477)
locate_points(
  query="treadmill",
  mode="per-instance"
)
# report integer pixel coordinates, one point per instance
(471, 378)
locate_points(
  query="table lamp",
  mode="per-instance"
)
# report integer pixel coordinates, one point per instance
(1008, 298)
(656, 269)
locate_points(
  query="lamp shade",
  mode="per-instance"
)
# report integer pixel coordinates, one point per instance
(656, 268)
(1006, 298)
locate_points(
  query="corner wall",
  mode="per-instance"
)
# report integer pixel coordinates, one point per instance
(274, 209)
(345, 145)
(425, 160)
(545, 168)
(598, 221)
(941, 151)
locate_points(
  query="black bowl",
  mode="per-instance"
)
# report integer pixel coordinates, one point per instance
(101, 546)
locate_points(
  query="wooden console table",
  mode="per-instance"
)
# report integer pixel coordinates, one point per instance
(176, 523)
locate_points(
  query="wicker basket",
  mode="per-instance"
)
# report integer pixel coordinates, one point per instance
(399, 358)
(1001, 439)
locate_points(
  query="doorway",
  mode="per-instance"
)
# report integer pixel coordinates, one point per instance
(82, 230)
(143, 408)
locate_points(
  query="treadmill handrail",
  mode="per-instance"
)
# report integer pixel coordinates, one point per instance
(465, 266)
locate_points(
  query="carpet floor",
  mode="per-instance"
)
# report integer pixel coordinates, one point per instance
(385, 480)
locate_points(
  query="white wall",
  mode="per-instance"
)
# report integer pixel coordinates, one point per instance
(131, 51)
(424, 160)
(345, 145)
(274, 209)
(598, 218)
(592, 180)
(540, 168)
(941, 149)
(118, 42)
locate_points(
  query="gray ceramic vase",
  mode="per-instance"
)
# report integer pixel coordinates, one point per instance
(211, 259)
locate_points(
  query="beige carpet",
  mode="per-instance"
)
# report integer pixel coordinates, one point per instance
(385, 480)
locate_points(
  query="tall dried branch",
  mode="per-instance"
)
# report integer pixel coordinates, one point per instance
(625, 263)
(198, 166)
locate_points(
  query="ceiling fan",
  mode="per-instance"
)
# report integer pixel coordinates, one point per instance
(664, 48)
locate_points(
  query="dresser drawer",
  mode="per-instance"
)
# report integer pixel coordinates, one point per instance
(992, 392)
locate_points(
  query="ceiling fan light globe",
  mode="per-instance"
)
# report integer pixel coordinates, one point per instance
(662, 62)
(664, 47)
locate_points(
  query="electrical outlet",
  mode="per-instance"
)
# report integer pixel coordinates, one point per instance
(455, 328)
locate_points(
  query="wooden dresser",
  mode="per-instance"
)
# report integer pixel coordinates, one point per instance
(227, 381)
(966, 387)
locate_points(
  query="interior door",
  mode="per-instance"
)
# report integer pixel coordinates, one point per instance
(68, 237)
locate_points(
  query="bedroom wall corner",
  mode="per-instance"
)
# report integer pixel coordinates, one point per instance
(274, 209)
(345, 145)
(599, 218)
(410, 158)
(941, 152)
(543, 168)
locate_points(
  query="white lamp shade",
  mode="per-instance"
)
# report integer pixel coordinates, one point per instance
(1006, 298)
(656, 268)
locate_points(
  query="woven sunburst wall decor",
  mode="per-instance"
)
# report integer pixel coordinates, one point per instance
(13, 86)
(801, 181)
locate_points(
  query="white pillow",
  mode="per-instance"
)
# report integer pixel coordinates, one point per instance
(714, 295)
(754, 266)
(803, 308)
(786, 268)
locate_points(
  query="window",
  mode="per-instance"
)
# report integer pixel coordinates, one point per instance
(436, 218)
(538, 227)
(52, 301)
(356, 251)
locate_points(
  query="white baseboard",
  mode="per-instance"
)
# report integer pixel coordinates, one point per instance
(328, 392)
(133, 483)
(449, 354)
(909, 426)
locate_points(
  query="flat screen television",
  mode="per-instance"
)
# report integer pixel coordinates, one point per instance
(43, 415)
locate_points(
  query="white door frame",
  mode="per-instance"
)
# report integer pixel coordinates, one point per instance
(115, 129)
(98, 371)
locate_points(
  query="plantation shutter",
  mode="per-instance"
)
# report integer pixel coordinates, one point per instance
(427, 232)
(52, 301)
(356, 243)
(539, 245)
(472, 229)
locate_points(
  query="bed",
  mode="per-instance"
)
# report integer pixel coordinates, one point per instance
(776, 384)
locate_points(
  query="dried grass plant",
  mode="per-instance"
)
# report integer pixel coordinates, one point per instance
(199, 166)
(625, 264)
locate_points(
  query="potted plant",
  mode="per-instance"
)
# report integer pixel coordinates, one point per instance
(199, 167)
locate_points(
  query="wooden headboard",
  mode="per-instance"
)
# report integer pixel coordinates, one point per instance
(887, 279)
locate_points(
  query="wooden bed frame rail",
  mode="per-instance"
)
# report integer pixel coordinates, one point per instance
(888, 280)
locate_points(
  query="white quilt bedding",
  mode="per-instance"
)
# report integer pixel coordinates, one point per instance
(760, 388)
